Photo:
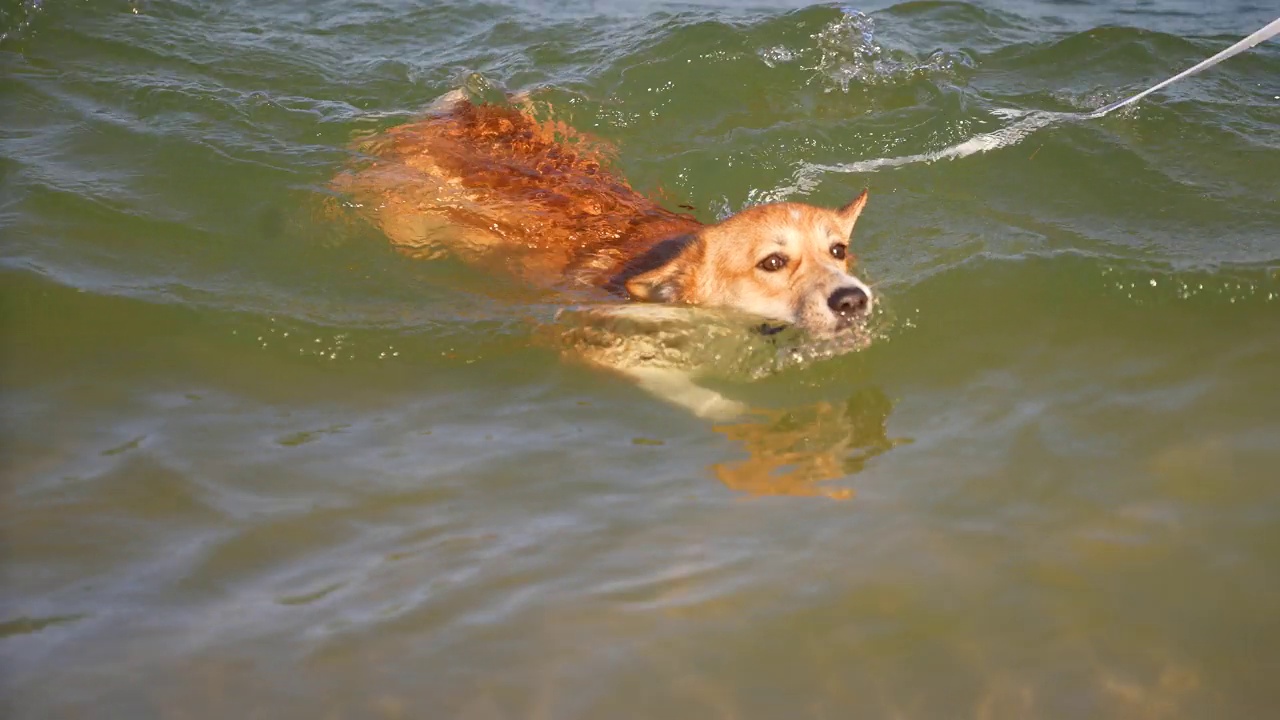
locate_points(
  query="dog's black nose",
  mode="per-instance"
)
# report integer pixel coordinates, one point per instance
(848, 300)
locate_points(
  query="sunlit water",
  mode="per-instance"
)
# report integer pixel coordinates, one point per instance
(256, 464)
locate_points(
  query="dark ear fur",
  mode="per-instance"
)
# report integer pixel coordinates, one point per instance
(655, 275)
(654, 286)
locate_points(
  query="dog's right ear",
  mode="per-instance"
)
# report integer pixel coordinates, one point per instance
(849, 213)
(658, 275)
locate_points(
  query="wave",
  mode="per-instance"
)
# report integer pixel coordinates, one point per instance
(1023, 122)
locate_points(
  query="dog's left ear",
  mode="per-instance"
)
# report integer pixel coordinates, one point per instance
(657, 275)
(658, 285)
(849, 213)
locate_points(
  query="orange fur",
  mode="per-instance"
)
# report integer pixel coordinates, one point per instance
(499, 181)
(495, 186)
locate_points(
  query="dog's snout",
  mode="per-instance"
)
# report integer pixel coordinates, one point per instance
(848, 300)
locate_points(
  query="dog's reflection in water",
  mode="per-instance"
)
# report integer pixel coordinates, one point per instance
(795, 451)
(789, 452)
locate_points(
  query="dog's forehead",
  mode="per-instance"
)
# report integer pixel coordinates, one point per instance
(789, 228)
(807, 218)
(796, 214)
(803, 225)
(790, 222)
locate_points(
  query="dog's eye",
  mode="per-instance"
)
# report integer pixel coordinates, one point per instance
(773, 263)
(839, 251)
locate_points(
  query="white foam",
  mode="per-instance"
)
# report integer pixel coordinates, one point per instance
(807, 177)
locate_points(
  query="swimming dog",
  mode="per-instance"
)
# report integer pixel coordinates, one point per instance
(493, 185)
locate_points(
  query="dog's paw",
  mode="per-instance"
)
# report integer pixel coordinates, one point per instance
(446, 102)
(719, 408)
(677, 387)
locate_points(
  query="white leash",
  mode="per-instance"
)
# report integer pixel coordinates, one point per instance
(1027, 122)
(1266, 33)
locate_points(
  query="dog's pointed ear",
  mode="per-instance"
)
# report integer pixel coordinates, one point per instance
(658, 275)
(849, 213)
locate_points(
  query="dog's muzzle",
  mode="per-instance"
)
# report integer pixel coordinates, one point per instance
(848, 302)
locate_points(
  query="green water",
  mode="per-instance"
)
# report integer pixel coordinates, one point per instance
(256, 464)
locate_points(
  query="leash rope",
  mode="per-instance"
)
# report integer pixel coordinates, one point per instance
(1026, 122)
(1266, 33)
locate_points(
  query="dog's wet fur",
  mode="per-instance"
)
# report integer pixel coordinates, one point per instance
(495, 186)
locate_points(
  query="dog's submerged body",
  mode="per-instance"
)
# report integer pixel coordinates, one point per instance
(494, 186)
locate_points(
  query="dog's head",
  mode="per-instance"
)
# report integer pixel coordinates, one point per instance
(785, 262)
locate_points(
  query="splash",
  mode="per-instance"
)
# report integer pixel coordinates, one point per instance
(16, 22)
(845, 55)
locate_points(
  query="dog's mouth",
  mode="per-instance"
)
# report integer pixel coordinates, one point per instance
(848, 322)
(767, 329)
(844, 325)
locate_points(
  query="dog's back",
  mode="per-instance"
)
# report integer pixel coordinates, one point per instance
(493, 185)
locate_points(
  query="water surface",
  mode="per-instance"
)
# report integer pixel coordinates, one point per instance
(258, 464)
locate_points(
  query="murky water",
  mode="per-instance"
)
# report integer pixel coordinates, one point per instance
(256, 464)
